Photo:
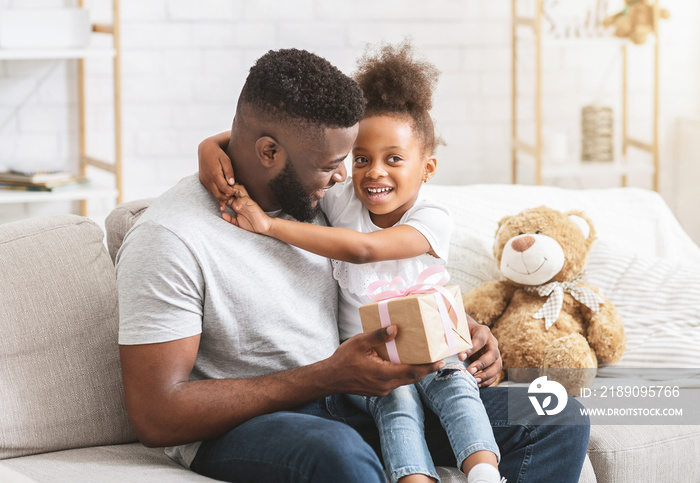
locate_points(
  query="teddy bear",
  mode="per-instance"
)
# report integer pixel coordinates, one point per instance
(544, 315)
(635, 21)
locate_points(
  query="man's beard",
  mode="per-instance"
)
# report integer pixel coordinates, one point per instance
(291, 194)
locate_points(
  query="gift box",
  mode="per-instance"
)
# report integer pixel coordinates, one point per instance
(432, 325)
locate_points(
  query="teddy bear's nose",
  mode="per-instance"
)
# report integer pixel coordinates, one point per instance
(523, 243)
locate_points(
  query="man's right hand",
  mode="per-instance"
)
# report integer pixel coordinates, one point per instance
(357, 369)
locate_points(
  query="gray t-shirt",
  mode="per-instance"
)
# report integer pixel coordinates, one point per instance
(260, 305)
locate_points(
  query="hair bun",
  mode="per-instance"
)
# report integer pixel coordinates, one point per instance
(392, 80)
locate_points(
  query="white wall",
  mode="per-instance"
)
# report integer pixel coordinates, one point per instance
(182, 76)
(184, 62)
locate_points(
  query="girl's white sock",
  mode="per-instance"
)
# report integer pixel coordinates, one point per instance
(483, 473)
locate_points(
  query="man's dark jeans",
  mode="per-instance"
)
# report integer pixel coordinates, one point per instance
(330, 440)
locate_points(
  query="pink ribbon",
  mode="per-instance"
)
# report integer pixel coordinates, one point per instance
(397, 288)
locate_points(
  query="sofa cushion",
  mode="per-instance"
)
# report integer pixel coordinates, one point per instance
(658, 300)
(115, 463)
(60, 381)
(120, 221)
(623, 454)
(8, 475)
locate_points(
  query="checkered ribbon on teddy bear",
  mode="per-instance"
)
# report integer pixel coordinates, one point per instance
(555, 291)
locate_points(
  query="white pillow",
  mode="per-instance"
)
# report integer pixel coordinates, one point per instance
(659, 301)
(632, 219)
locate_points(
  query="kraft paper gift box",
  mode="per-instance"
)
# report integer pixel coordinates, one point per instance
(421, 331)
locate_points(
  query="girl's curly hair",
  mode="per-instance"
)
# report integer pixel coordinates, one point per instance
(395, 83)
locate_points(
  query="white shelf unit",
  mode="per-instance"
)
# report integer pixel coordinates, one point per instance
(73, 194)
(619, 167)
(88, 192)
(57, 54)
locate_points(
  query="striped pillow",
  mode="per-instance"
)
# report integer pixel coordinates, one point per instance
(659, 301)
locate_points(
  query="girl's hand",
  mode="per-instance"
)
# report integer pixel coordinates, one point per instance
(215, 171)
(249, 215)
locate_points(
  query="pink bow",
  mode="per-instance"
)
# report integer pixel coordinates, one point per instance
(396, 289)
(397, 285)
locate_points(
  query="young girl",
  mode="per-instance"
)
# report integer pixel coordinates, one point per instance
(383, 227)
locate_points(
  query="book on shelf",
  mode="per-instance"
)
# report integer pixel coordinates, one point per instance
(56, 185)
(34, 177)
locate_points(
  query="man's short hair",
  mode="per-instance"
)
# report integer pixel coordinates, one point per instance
(293, 85)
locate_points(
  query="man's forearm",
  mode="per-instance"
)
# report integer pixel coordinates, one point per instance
(166, 408)
(209, 408)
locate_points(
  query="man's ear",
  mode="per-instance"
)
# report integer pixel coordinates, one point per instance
(270, 152)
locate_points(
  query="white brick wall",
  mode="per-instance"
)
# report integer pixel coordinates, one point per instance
(183, 64)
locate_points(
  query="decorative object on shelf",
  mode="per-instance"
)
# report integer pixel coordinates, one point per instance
(597, 133)
(39, 181)
(51, 186)
(636, 20)
(534, 148)
(65, 36)
(565, 19)
(48, 28)
(22, 176)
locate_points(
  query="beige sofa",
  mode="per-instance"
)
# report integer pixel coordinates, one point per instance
(62, 415)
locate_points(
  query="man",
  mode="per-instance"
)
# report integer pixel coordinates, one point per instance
(228, 340)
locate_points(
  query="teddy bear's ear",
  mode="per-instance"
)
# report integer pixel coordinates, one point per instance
(501, 224)
(496, 245)
(582, 225)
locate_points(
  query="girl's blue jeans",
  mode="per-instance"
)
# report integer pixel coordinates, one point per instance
(332, 440)
(453, 395)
